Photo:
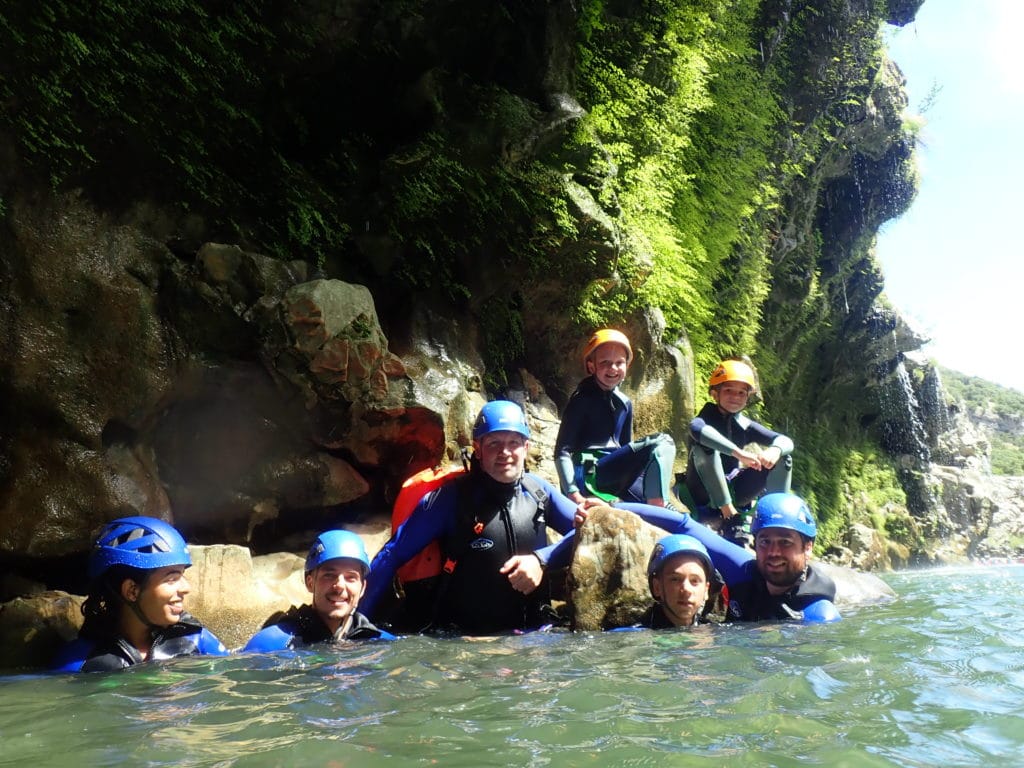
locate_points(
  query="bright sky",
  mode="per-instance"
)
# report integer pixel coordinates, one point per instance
(954, 263)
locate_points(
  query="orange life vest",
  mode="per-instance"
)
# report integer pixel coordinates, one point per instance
(428, 562)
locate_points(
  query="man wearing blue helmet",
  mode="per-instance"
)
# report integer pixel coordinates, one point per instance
(336, 568)
(135, 608)
(491, 523)
(778, 582)
(682, 580)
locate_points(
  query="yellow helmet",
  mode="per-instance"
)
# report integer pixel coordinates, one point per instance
(607, 336)
(732, 370)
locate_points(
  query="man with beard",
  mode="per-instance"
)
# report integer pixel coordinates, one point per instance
(782, 583)
(778, 582)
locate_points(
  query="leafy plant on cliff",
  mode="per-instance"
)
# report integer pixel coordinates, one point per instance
(687, 119)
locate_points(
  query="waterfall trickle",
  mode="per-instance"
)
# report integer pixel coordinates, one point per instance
(903, 430)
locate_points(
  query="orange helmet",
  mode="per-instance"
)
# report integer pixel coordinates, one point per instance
(732, 370)
(607, 336)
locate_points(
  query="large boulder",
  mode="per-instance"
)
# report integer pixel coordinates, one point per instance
(33, 628)
(609, 569)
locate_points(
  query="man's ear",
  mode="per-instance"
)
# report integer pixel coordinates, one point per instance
(656, 588)
(590, 366)
(309, 580)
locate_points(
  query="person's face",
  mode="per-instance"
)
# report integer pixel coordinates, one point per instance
(503, 455)
(337, 586)
(731, 396)
(781, 556)
(608, 364)
(161, 598)
(682, 589)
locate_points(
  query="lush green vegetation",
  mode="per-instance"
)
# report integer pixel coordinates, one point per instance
(407, 146)
(992, 405)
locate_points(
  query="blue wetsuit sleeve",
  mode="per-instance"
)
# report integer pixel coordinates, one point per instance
(755, 432)
(559, 515)
(71, 657)
(428, 521)
(561, 510)
(730, 559)
(209, 644)
(559, 554)
(272, 638)
(820, 612)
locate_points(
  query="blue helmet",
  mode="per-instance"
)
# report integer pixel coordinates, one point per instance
(679, 543)
(784, 510)
(500, 416)
(330, 545)
(145, 543)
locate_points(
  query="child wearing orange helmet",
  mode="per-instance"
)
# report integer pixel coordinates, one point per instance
(717, 437)
(598, 421)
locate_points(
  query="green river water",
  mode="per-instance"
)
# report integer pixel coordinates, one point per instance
(935, 678)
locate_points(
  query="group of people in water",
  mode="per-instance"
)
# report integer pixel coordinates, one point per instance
(491, 524)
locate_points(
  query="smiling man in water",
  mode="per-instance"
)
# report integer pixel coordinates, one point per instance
(336, 568)
(491, 523)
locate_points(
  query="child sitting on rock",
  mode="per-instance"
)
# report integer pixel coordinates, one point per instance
(595, 439)
(721, 474)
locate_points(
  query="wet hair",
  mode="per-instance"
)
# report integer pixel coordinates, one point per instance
(103, 604)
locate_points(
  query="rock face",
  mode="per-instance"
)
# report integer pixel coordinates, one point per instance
(227, 391)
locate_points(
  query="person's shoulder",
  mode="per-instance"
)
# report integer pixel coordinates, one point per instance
(364, 629)
(822, 581)
(533, 483)
(708, 409)
(71, 656)
(208, 644)
(275, 637)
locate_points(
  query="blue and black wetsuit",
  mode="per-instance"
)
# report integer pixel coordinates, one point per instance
(302, 626)
(481, 524)
(812, 598)
(751, 601)
(714, 435)
(601, 421)
(186, 638)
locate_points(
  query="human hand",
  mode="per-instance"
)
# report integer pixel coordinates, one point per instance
(747, 459)
(524, 572)
(583, 508)
(770, 457)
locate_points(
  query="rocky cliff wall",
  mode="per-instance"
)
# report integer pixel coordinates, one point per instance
(418, 211)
